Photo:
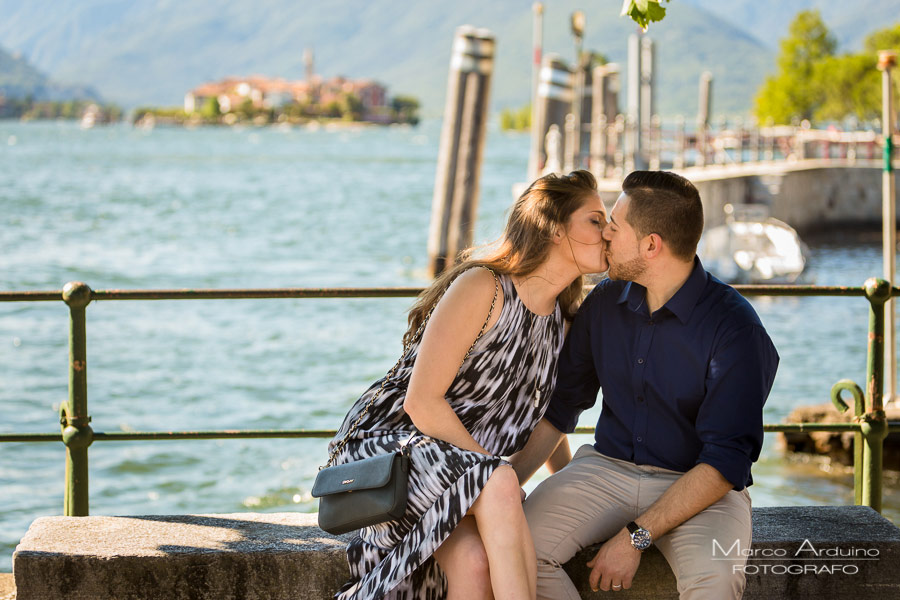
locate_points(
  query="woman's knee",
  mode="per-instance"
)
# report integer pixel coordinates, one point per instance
(502, 487)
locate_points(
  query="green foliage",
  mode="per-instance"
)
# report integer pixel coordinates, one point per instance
(883, 39)
(351, 107)
(29, 109)
(211, 111)
(512, 119)
(813, 83)
(851, 86)
(796, 90)
(643, 12)
(405, 109)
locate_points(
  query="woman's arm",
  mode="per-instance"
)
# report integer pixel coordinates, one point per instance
(453, 326)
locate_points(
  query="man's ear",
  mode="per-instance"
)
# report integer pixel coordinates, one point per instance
(652, 245)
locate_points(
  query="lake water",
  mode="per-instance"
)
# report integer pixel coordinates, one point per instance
(117, 207)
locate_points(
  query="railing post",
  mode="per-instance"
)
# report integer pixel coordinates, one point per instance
(874, 425)
(77, 434)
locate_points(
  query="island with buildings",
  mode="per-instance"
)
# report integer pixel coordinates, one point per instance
(261, 100)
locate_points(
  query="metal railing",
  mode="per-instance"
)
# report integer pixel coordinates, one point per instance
(869, 423)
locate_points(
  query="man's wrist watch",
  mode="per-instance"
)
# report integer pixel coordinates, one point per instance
(640, 537)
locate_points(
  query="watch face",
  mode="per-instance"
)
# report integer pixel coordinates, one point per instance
(641, 539)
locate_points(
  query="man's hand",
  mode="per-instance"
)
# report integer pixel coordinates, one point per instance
(615, 564)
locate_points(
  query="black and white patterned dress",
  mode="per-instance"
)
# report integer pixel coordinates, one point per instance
(500, 394)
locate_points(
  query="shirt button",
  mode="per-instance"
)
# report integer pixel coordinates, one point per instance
(640, 439)
(640, 361)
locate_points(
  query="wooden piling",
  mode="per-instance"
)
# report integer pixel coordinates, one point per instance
(647, 97)
(604, 109)
(655, 142)
(554, 100)
(571, 143)
(634, 125)
(455, 199)
(754, 140)
(703, 112)
(678, 161)
(619, 152)
(534, 160)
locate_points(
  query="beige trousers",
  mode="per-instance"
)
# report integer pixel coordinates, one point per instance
(593, 498)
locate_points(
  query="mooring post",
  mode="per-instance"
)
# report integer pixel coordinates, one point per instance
(571, 135)
(648, 99)
(537, 140)
(655, 142)
(754, 140)
(678, 160)
(573, 144)
(620, 146)
(703, 112)
(582, 159)
(554, 101)
(604, 108)
(770, 139)
(633, 125)
(455, 200)
(887, 59)
(74, 421)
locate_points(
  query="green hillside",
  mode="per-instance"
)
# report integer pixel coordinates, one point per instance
(153, 51)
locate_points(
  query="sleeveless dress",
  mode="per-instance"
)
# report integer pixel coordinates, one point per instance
(500, 394)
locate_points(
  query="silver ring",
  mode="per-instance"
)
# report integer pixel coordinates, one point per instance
(617, 587)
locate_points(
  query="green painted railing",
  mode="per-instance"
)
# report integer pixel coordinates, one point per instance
(870, 424)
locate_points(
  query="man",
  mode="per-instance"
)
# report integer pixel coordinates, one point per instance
(685, 367)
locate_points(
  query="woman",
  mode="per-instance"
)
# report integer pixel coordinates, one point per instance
(471, 387)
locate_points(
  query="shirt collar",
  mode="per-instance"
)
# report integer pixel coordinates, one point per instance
(681, 304)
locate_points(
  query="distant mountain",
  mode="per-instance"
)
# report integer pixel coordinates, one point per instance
(153, 51)
(768, 20)
(18, 79)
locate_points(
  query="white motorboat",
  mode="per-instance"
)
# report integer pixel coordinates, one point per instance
(752, 247)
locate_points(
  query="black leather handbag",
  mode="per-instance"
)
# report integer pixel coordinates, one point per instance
(375, 489)
(363, 492)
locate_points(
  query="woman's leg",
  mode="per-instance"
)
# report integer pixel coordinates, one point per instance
(506, 537)
(465, 563)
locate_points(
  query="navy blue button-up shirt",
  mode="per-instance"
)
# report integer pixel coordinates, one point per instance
(683, 386)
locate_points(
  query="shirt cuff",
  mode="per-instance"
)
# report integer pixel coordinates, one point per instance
(564, 421)
(732, 463)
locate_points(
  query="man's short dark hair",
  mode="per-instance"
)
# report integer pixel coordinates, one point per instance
(668, 205)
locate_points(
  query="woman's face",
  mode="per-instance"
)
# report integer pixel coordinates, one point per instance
(584, 236)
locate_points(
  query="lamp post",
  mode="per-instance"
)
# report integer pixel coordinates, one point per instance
(887, 59)
(574, 161)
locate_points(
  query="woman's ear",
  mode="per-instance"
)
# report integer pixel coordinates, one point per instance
(558, 236)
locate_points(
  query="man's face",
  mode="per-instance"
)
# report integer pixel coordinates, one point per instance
(622, 244)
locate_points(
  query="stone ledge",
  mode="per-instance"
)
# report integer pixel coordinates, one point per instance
(284, 555)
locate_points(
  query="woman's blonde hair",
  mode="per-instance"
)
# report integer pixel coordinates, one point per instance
(533, 221)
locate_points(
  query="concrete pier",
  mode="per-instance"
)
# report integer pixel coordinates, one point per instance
(285, 555)
(806, 194)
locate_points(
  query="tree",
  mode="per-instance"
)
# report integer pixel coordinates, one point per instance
(851, 86)
(883, 39)
(351, 107)
(211, 111)
(405, 109)
(797, 90)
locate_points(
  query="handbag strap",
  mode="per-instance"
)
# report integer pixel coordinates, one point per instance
(340, 445)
